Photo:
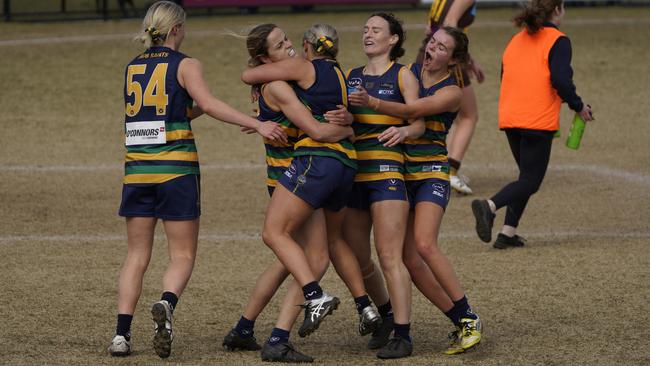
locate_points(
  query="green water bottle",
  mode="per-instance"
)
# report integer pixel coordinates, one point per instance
(575, 134)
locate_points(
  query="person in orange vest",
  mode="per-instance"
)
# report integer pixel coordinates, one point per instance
(536, 77)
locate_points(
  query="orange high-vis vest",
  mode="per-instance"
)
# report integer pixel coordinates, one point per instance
(527, 99)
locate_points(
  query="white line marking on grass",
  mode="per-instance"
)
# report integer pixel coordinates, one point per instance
(116, 167)
(594, 170)
(248, 236)
(340, 29)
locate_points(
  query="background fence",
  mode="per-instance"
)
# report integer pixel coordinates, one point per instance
(63, 10)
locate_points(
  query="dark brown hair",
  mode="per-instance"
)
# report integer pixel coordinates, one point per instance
(461, 44)
(394, 27)
(256, 43)
(534, 14)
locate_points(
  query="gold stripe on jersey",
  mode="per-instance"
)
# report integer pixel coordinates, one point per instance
(378, 119)
(179, 135)
(371, 177)
(271, 182)
(149, 178)
(308, 142)
(424, 142)
(398, 157)
(439, 9)
(344, 87)
(165, 155)
(275, 162)
(429, 175)
(424, 159)
(435, 126)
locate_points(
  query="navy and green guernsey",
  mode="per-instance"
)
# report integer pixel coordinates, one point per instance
(159, 141)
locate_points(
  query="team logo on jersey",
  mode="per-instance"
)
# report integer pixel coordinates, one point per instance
(369, 84)
(302, 179)
(354, 82)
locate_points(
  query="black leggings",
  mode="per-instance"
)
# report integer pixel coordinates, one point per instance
(531, 150)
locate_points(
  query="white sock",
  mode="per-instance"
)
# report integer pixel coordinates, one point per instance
(493, 207)
(509, 231)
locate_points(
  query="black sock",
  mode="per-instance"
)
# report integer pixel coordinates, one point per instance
(361, 302)
(171, 298)
(386, 310)
(124, 325)
(460, 310)
(464, 309)
(454, 163)
(453, 315)
(278, 336)
(245, 327)
(312, 290)
(402, 331)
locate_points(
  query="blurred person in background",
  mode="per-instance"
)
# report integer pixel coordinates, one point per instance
(536, 77)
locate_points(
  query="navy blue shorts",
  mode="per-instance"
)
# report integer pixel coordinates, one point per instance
(321, 181)
(428, 190)
(178, 199)
(365, 194)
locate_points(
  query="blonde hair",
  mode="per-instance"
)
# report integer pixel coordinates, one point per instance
(161, 17)
(324, 40)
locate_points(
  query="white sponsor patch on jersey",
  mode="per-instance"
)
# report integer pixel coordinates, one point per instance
(145, 133)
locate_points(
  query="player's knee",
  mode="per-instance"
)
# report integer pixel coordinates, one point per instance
(389, 260)
(427, 247)
(268, 236)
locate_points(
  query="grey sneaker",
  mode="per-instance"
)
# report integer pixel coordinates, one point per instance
(484, 219)
(233, 341)
(163, 337)
(283, 352)
(381, 335)
(119, 346)
(369, 320)
(397, 347)
(315, 311)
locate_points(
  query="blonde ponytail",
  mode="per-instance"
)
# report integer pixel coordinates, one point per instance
(161, 17)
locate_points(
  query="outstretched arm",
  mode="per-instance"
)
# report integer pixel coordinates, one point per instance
(282, 95)
(410, 89)
(445, 99)
(190, 76)
(295, 68)
(458, 8)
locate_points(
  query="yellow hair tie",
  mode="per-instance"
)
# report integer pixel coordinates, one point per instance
(323, 42)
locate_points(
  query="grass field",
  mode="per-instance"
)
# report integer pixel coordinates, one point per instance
(576, 295)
